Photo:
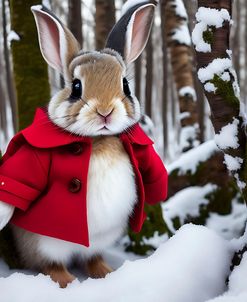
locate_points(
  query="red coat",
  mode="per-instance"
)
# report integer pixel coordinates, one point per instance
(42, 176)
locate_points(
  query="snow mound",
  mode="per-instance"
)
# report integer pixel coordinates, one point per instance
(191, 266)
(237, 285)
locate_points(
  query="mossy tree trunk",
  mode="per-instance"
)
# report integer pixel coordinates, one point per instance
(32, 87)
(30, 70)
(224, 101)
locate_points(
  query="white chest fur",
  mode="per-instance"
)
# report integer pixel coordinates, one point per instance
(111, 193)
(111, 196)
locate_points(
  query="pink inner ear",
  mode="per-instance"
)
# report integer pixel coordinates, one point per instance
(49, 40)
(140, 32)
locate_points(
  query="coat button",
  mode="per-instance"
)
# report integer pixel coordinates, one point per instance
(75, 148)
(74, 185)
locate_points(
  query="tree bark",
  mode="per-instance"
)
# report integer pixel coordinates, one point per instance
(75, 20)
(191, 9)
(9, 75)
(181, 60)
(149, 77)
(224, 102)
(30, 70)
(138, 77)
(164, 76)
(104, 21)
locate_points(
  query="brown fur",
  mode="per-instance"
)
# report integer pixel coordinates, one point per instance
(110, 147)
(102, 73)
(97, 268)
(59, 274)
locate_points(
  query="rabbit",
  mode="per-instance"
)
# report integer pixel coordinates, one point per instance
(95, 105)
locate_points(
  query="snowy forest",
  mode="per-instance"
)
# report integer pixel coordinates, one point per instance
(191, 82)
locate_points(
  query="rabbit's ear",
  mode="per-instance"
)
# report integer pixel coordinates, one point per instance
(130, 34)
(57, 44)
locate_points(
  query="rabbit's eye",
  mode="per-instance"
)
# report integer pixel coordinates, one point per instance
(76, 90)
(126, 88)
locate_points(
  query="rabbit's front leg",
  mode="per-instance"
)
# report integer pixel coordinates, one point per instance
(6, 212)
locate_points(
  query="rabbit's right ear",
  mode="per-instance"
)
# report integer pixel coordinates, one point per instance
(57, 44)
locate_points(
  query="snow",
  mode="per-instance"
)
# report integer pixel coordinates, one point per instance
(232, 163)
(212, 16)
(189, 134)
(206, 18)
(226, 76)
(13, 36)
(182, 35)
(229, 226)
(209, 87)
(180, 9)
(46, 3)
(187, 90)
(227, 138)
(237, 285)
(186, 202)
(199, 154)
(191, 266)
(216, 67)
(184, 115)
(240, 183)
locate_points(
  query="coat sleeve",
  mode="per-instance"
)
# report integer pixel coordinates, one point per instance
(154, 175)
(23, 176)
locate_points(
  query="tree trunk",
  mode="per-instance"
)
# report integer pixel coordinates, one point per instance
(179, 43)
(191, 9)
(75, 20)
(104, 21)
(164, 77)
(224, 102)
(149, 77)
(138, 76)
(30, 69)
(9, 76)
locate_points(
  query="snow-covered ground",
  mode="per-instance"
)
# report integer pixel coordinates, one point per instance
(192, 266)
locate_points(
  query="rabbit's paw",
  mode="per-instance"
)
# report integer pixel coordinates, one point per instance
(59, 274)
(97, 268)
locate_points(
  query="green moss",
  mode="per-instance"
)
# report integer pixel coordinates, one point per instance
(219, 201)
(154, 223)
(30, 69)
(225, 89)
(208, 35)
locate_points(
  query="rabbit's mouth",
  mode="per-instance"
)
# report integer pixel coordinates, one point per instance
(103, 128)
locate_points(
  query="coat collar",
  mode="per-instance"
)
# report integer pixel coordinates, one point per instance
(42, 133)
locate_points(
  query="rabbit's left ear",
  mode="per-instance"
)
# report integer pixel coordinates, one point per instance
(130, 34)
(57, 44)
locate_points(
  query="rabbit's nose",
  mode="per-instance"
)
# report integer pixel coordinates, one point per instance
(105, 116)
